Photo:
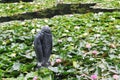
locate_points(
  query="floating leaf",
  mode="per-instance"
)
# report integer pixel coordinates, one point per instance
(54, 69)
(16, 66)
(75, 64)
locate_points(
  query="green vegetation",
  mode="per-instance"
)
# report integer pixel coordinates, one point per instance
(101, 31)
(86, 44)
(22, 7)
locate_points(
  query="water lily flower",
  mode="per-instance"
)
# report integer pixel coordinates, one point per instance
(94, 77)
(116, 77)
(94, 52)
(58, 60)
(88, 46)
(35, 78)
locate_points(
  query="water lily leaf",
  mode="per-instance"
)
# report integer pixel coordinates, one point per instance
(16, 66)
(112, 56)
(54, 69)
(75, 64)
(30, 75)
(102, 66)
(69, 39)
